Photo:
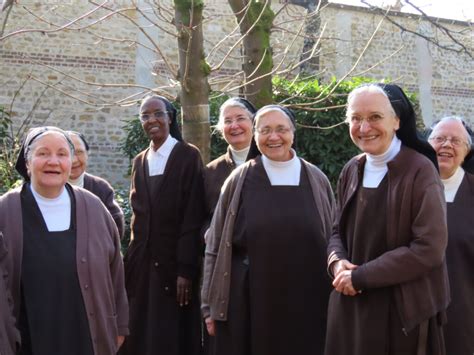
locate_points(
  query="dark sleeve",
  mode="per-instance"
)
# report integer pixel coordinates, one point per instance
(102, 189)
(428, 240)
(336, 248)
(189, 243)
(115, 210)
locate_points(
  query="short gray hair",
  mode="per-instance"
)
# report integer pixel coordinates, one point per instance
(372, 88)
(232, 102)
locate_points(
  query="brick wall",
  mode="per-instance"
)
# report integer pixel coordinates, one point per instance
(86, 77)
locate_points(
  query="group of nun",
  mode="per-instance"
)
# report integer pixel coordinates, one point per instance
(251, 254)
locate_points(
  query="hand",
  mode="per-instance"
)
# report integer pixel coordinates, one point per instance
(120, 340)
(211, 326)
(342, 265)
(183, 291)
(343, 283)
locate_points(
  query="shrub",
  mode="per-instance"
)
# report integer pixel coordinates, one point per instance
(9, 147)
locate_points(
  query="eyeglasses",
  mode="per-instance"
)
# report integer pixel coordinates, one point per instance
(280, 130)
(371, 120)
(159, 115)
(238, 120)
(455, 141)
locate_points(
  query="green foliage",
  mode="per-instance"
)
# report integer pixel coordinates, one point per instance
(9, 178)
(218, 144)
(121, 196)
(135, 138)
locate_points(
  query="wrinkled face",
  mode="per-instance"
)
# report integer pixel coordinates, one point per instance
(49, 164)
(237, 129)
(79, 160)
(157, 127)
(274, 136)
(453, 150)
(372, 122)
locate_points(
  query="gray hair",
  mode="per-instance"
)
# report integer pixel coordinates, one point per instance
(372, 88)
(232, 102)
(456, 119)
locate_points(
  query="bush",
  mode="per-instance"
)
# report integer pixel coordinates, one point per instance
(9, 147)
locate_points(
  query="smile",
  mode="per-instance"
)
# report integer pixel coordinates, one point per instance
(367, 138)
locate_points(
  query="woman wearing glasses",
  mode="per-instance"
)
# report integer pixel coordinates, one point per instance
(162, 261)
(265, 286)
(452, 143)
(387, 250)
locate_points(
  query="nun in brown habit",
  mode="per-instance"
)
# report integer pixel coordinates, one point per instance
(63, 268)
(162, 261)
(387, 250)
(265, 286)
(452, 141)
(236, 126)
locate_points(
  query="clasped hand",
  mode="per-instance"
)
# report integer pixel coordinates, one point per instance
(342, 271)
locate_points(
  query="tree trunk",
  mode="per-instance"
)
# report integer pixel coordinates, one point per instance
(256, 19)
(192, 74)
(312, 30)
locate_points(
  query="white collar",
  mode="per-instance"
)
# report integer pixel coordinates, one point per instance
(452, 183)
(79, 181)
(239, 156)
(280, 164)
(165, 149)
(382, 159)
(376, 165)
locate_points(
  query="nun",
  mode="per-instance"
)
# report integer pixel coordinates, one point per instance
(63, 264)
(265, 289)
(451, 139)
(162, 262)
(235, 124)
(95, 184)
(387, 250)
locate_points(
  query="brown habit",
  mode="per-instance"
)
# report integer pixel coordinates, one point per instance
(168, 213)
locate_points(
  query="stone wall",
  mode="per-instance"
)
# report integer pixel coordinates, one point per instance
(443, 80)
(86, 73)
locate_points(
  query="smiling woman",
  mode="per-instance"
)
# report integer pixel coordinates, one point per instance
(386, 252)
(48, 224)
(273, 207)
(162, 260)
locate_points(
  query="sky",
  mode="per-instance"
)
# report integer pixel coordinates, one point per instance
(452, 9)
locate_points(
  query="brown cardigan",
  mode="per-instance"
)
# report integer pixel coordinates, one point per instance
(416, 236)
(217, 263)
(99, 265)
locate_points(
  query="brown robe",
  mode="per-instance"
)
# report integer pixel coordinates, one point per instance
(98, 261)
(102, 189)
(215, 174)
(413, 264)
(459, 331)
(279, 288)
(168, 213)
